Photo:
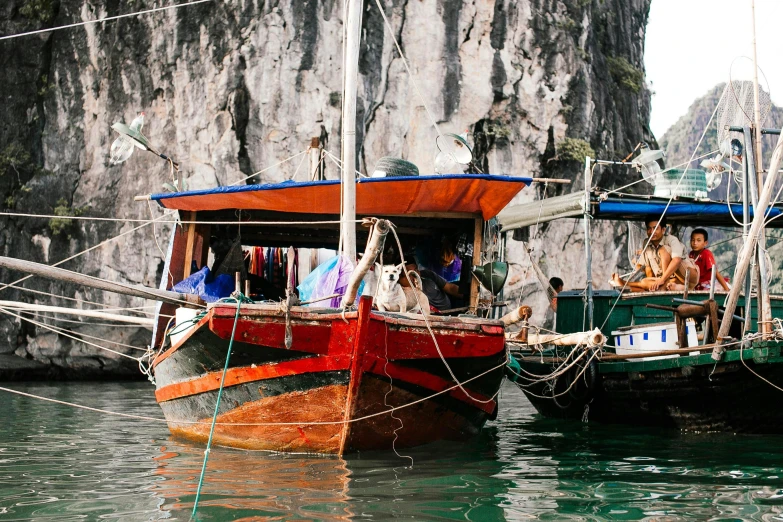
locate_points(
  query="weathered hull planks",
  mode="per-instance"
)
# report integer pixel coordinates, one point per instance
(715, 397)
(330, 393)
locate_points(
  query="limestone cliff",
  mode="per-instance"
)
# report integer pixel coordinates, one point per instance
(234, 86)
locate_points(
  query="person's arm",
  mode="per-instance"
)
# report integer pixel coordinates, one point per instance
(452, 290)
(673, 266)
(449, 288)
(722, 281)
(710, 258)
(677, 252)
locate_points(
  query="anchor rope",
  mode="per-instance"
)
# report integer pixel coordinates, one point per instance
(107, 307)
(239, 299)
(59, 329)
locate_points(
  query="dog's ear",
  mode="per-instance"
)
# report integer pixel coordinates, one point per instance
(400, 266)
(378, 267)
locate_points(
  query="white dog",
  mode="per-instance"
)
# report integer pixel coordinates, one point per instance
(392, 297)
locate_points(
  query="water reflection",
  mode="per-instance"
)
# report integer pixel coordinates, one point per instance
(447, 481)
(57, 463)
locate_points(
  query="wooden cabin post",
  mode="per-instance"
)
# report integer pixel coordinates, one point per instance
(314, 154)
(478, 240)
(190, 231)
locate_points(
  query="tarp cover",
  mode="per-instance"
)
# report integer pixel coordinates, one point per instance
(471, 193)
(631, 208)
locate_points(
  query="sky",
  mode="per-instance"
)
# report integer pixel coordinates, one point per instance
(693, 45)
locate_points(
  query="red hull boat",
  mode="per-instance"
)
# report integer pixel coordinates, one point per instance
(338, 381)
(337, 389)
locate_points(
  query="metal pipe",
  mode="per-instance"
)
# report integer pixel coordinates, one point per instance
(747, 162)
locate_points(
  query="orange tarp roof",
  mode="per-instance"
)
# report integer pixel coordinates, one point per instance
(469, 193)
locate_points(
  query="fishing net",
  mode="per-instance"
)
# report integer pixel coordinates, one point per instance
(735, 108)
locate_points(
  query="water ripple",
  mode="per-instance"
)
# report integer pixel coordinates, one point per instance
(70, 465)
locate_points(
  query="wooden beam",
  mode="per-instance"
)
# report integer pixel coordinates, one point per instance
(478, 237)
(190, 231)
(60, 274)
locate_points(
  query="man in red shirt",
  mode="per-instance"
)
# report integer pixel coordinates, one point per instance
(704, 260)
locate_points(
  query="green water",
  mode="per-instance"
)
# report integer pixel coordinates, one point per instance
(57, 463)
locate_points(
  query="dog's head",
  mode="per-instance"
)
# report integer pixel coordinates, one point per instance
(389, 274)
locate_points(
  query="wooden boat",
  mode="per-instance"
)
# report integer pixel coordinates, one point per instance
(715, 385)
(335, 389)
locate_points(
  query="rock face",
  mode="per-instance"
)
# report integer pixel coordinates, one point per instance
(232, 87)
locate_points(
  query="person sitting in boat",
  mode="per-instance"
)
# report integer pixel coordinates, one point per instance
(449, 265)
(704, 259)
(663, 260)
(439, 292)
(557, 285)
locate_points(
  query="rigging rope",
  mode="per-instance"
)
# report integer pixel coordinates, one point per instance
(411, 77)
(106, 19)
(307, 423)
(61, 331)
(78, 254)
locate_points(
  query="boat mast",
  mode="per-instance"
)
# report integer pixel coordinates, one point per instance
(351, 80)
(765, 312)
(588, 249)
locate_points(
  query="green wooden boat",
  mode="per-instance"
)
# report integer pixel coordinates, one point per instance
(683, 391)
(725, 385)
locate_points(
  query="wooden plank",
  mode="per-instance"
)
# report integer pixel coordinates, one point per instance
(190, 232)
(478, 236)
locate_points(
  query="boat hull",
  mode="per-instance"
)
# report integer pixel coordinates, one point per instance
(688, 393)
(368, 381)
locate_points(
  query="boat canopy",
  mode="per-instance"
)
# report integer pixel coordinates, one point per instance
(457, 193)
(626, 207)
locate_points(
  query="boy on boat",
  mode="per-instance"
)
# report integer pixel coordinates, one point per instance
(704, 259)
(663, 260)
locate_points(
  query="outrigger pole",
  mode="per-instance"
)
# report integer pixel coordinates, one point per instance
(353, 37)
(60, 274)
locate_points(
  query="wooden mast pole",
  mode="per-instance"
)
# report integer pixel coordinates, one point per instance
(765, 312)
(351, 76)
(748, 249)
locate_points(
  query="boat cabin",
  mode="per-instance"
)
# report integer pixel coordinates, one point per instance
(306, 216)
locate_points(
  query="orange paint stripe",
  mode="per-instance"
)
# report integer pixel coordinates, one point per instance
(430, 382)
(235, 376)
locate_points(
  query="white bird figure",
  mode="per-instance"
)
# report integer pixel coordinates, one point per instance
(123, 146)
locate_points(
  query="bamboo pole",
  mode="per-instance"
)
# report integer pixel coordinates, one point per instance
(591, 338)
(60, 274)
(33, 307)
(748, 249)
